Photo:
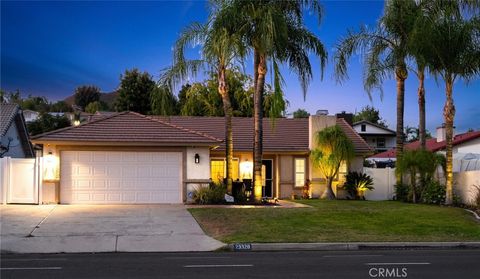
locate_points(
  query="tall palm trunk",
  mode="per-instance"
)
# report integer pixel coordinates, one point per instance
(227, 109)
(400, 76)
(421, 108)
(449, 114)
(261, 71)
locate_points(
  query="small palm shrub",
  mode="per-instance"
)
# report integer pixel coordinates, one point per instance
(213, 194)
(402, 192)
(434, 193)
(357, 184)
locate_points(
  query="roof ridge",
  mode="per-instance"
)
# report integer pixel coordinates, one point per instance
(177, 127)
(81, 125)
(355, 132)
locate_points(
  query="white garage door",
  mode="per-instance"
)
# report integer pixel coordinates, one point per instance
(108, 177)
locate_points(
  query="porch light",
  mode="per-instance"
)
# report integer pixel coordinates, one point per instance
(197, 158)
(50, 167)
(246, 169)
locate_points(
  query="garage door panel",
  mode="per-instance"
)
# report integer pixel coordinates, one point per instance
(120, 177)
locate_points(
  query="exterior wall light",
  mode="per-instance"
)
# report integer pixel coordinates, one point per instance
(50, 167)
(197, 158)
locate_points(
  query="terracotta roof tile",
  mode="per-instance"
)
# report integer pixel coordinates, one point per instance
(129, 127)
(431, 144)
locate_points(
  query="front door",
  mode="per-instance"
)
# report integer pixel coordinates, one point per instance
(267, 175)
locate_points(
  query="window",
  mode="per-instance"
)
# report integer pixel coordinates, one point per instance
(218, 169)
(363, 127)
(381, 142)
(300, 166)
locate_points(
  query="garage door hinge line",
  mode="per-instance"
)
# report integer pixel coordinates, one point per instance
(41, 222)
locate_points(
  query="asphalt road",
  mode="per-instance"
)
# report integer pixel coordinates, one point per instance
(307, 264)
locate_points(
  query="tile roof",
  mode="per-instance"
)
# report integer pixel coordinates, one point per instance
(7, 115)
(431, 144)
(286, 134)
(361, 147)
(128, 127)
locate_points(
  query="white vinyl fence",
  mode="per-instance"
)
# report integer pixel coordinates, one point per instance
(20, 180)
(464, 186)
(383, 182)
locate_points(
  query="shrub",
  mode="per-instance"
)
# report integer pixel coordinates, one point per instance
(476, 196)
(402, 192)
(434, 193)
(357, 184)
(213, 194)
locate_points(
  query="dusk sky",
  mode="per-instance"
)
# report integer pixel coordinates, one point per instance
(50, 48)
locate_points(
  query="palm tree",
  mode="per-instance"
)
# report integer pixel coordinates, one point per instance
(221, 50)
(333, 149)
(385, 52)
(274, 30)
(455, 54)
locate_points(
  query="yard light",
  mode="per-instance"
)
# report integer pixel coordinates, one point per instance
(197, 158)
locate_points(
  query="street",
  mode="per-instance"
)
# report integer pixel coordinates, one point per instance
(289, 264)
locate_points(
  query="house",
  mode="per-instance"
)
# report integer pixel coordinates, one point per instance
(462, 144)
(378, 137)
(131, 158)
(30, 115)
(14, 141)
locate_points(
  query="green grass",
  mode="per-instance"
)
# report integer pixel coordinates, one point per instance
(339, 221)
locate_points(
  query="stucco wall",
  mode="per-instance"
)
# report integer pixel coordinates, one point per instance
(16, 150)
(472, 146)
(465, 185)
(201, 170)
(369, 129)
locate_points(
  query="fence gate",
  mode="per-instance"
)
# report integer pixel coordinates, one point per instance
(20, 179)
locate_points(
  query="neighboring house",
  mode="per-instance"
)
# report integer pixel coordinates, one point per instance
(131, 158)
(463, 144)
(30, 115)
(378, 137)
(14, 141)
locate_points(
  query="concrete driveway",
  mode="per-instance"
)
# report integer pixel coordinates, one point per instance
(101, 228)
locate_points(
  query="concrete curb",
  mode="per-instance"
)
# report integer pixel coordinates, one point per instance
(354, 246)
(474, 214)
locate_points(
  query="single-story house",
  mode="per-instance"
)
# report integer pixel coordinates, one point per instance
(378, 137)
(14, 139)
(131, 158)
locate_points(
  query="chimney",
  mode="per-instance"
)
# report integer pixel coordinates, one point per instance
(442, 133)
(317, 123)
(346, 116)
(322, 112)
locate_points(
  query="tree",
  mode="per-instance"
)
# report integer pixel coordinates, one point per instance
(86, 94)
(455, 54)
(93, 107)
(220, 50)
(60, 106)
(385, 51)
(46, 123)
(413, 134)
(275, 31)
(163, 101)
(333, 149)
(369, 114)
(301, 113)
(135, 92)
(35, 103)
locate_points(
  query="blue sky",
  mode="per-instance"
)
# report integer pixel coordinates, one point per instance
(50, 48)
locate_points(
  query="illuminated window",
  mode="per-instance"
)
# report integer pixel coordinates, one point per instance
(218, 169)
(300, 166)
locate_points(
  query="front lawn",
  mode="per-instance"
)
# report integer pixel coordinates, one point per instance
(339, 221)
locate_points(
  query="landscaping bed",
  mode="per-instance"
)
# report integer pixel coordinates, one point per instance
(339, 221)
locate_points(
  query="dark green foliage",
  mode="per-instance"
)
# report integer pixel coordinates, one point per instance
(163, 101)
(369, 114)
(86, 94)
(213, 194)
(434, 193)
(135, 92)
(301, 113)
(46, 123)
(96, 106)
(61, 106)
(35, 103)
(357, 184)
(402, 193)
